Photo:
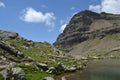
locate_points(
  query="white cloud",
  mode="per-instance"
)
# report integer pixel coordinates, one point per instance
(33, 16)
(96, 8)
(2, 4)
(109, 6)
(63, 27)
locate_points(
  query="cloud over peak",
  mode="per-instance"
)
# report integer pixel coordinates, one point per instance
(33, 16)
(109, 6)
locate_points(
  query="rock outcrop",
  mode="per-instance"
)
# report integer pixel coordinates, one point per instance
(13, 73)
(8, 35)
(87, 25)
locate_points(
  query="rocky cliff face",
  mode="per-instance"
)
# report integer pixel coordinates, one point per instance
(87, 25)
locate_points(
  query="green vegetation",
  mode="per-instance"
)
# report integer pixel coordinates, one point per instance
(1, 78)
(102, 23)
(37, 50)
(98, 24)
(98, 46)
(115, 21)
(40, 53)
(32, 73)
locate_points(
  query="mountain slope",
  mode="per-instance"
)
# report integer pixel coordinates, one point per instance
(90, 33)
(31, 60)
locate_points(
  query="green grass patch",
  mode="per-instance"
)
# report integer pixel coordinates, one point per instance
(39, 51)
(98, 24)
(1, 77)
(32, 73)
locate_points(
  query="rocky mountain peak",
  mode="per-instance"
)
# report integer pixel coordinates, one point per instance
(85, 24)
(80, 20)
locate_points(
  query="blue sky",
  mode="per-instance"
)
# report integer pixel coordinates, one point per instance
(44, 20)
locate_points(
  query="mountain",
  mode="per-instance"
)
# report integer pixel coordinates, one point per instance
(23, 59)
(90, 33)
(88, 36)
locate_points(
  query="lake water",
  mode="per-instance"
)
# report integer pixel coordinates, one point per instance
(107, 69)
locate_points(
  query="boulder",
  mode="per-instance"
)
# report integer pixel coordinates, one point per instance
(4, 35)
(72, 69)
(21, 55)
(48, 78)
(12, 50)
(13, 73)
(18, 74)
(4, 74)
(51, 70)
(43, 66)
(60, 67)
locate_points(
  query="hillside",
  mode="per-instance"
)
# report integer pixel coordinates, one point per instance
(22, 59)
(91, 34)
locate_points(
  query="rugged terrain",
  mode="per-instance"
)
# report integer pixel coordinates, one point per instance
(91, 34)
(88, 35)
(22, 59)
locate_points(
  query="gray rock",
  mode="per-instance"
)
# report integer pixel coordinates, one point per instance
(15, 73)
(4, 74)
(11, 49)
(63, 78)
(71, 69)
(18, 73)
(60, 67)
(51, 70)
(21, 55)
(43, 66)
(48, 78)
(8, 35)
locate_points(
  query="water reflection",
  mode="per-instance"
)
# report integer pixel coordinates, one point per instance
(98, 70)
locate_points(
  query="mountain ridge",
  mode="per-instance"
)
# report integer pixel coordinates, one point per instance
(85, 26)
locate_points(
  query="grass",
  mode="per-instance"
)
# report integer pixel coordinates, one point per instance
(97, 46)
(43, 53)
(38, 51)
(98, 24)
(115, 21)
(32, 73)
(1, 78)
